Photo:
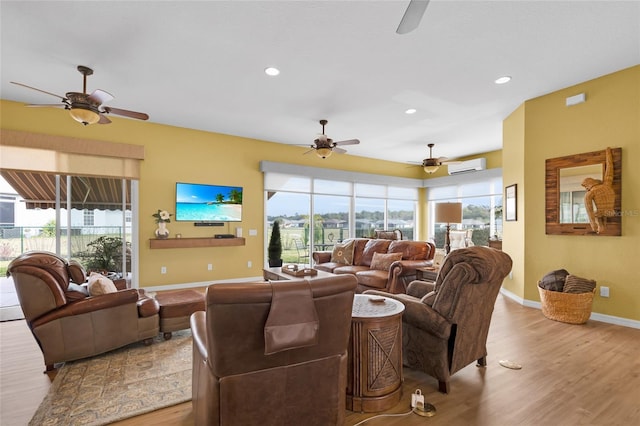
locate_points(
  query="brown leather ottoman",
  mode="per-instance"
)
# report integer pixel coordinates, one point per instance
(176, 308)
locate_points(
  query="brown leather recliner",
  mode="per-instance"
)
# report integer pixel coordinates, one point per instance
(69, 325)
(445, 324)
(272, 354)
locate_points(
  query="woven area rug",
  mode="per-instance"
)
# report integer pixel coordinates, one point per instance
(120, 384)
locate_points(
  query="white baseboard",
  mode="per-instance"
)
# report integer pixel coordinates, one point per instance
(201, 284)
(625, 322)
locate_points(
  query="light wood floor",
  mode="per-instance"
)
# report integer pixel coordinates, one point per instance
(571, 375)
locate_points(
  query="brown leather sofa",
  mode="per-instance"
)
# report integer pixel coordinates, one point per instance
(70, 325)
(415, 254)
(272, 354)
(445, 324)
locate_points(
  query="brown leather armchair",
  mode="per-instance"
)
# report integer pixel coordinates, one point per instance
(69, 325)
(272, 353)
(446, 323)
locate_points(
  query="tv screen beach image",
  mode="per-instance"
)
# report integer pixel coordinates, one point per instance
(198, 202)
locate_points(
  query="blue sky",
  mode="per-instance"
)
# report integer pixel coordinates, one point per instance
(197, 193)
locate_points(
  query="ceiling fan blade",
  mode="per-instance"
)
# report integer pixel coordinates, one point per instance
(412, 16)
(46, 106)
(447, 162)
(307, 152)
(126, 113)
(338, 150)
(104, 119)
(348, 142)
(100, 96)
(39, 90)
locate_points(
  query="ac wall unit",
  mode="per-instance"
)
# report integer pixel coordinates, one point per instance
(468, 166)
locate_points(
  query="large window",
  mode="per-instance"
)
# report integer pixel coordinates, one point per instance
(481, 200)
(292, 211)
(322, 211)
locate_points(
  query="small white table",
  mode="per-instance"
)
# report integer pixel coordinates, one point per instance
(374, 375)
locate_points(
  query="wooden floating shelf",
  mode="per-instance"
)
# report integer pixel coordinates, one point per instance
(156, 243)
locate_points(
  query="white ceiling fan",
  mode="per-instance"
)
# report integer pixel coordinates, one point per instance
(412, 16)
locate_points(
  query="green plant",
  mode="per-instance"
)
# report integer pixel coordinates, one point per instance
(49, 229)
(274, 250)
(104, 254)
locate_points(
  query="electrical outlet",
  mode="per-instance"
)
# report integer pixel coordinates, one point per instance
(604, 291)
(510, 275)
(210, 267)
(249, 264)
(163, 270)
(253, 232)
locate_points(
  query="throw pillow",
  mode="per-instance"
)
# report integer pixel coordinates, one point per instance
(575, 284)
(99, 284)
(76, 292)
(79, 288)
(383, 261)
(554, 280)
(343, 253)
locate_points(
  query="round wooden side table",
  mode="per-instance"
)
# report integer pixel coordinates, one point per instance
(374, 374)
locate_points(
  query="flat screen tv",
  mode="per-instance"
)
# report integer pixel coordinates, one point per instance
(208, 203)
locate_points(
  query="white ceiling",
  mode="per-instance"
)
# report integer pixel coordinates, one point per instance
(200, 64)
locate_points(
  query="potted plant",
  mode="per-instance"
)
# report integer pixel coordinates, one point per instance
(104, 253)
(274, 250)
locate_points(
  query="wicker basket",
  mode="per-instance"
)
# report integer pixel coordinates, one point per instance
(572, 308)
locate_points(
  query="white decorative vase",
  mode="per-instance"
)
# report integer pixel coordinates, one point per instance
(162, 232)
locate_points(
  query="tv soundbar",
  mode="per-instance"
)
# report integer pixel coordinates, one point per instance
(208, 223)
(224, 236)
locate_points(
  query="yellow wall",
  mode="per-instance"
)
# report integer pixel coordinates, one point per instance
(545, 128)
(513, 172)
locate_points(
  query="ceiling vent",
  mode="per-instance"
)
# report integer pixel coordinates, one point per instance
(468, 166)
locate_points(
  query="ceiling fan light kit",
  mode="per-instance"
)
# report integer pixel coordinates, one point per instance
(324, 152)
(431, 165)
(82, 109)
(430, 168)
(84, 116)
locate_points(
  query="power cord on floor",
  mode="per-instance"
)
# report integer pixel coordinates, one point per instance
(418, 406)
(384, 415)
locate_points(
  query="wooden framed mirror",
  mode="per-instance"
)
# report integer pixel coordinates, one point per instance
(583, 194)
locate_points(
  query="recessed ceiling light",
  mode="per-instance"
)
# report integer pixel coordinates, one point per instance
(411, 111)
(503, 79)
(272, 71)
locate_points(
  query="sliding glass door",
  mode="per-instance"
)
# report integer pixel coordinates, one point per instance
(78, 217)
